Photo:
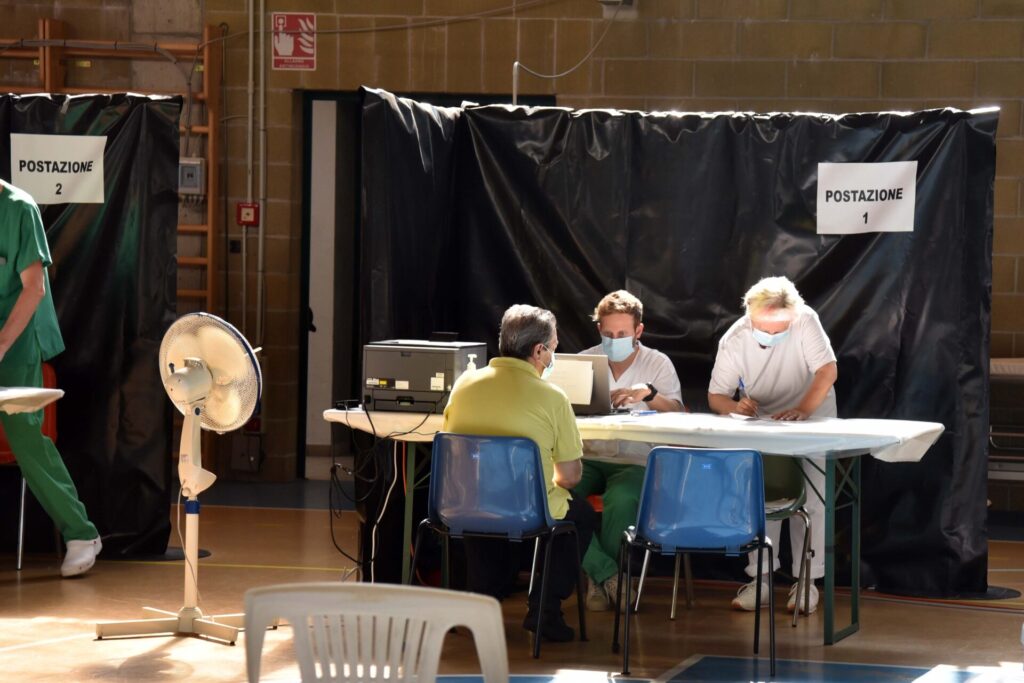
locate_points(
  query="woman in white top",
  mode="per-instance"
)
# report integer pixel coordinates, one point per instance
(778, 360)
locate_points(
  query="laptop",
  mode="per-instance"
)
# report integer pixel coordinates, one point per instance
(573, 372)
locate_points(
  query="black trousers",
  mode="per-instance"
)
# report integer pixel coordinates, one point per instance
(492, 564)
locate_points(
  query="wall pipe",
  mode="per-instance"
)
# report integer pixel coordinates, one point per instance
(262, 230)
(250, 98)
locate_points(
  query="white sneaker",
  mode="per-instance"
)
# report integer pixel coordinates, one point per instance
(746, 596)
(611, 587)
(80, 557)
(806, 609)
(597, 598)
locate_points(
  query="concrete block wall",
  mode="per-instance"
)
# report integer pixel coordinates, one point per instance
(758, 55)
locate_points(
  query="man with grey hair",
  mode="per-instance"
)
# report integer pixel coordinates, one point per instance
(778, 363)
(510, 398)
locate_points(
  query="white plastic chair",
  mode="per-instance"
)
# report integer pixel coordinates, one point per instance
(373, 632)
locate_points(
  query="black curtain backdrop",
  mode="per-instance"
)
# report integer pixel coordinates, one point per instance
(114, 285)
(407, 152)
(467, 212)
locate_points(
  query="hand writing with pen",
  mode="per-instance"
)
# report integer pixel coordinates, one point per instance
(748, 406)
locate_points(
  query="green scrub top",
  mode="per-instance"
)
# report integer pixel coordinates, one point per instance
(22, 243)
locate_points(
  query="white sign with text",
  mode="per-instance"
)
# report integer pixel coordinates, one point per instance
(59, 169)
(858, 198)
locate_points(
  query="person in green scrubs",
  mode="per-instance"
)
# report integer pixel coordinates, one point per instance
(640, 378)
(29, 335)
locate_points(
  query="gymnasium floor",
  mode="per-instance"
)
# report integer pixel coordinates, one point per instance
(47, 624)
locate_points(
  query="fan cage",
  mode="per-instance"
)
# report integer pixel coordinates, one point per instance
(248, 387)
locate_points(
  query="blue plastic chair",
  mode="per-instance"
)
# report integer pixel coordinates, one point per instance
(785, 497)
(699, 501)
(493, 487)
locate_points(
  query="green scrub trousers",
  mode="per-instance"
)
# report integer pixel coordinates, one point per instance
(619, 486)
(22, 244)
(39, 460)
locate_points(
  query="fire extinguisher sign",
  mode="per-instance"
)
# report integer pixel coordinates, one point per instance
(294, 41)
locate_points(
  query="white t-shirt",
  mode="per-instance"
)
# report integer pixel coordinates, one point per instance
(776, 377)
(649, 367)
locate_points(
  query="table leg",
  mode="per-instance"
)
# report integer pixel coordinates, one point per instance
(847, 485)
(410, 486)
(830, 549)
(855, 549)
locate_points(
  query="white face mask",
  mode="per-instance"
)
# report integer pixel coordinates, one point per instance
(769, 340)
(550, 367)
(618, 349)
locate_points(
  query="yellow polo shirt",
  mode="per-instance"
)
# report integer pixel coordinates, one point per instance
(508, 398)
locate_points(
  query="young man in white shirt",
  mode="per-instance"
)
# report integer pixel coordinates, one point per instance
(779, 361)
(640, 378)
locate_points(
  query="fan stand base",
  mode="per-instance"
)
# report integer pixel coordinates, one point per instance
(189, 621)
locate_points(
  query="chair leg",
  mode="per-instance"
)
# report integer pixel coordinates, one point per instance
(446, 561)
(675, 588)
(757, 600)
(543, 597)
(629, 615)
(21, 525)
(533, 566)
(688, 573)
(643, 576)
(803, 581)
(808, 554)
(623, 550)
(771, 609)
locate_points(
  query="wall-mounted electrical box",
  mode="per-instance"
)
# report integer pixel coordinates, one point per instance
(192, 176)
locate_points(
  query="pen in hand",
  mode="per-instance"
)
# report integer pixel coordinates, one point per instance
(746, 402)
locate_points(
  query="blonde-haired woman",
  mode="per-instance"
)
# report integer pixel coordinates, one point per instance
(776, 362)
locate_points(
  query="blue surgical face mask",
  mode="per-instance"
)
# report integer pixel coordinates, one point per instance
(765, 339)
(550, 367)
(617, 350)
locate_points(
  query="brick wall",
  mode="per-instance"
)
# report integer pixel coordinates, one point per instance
(761, 55)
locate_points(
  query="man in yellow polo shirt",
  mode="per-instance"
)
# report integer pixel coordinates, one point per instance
(29, 335)
(510, 398)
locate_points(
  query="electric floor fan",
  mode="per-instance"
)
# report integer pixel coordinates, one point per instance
(211, 375)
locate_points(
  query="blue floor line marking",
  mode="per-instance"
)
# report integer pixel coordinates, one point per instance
(712, 669)
(564, 677)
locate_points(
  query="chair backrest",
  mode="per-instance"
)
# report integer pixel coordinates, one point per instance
(702, 499)
(49, 418)
(487, 485)
(783, 479)
(373, 632)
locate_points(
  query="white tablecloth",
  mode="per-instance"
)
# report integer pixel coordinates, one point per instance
(888, 440)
